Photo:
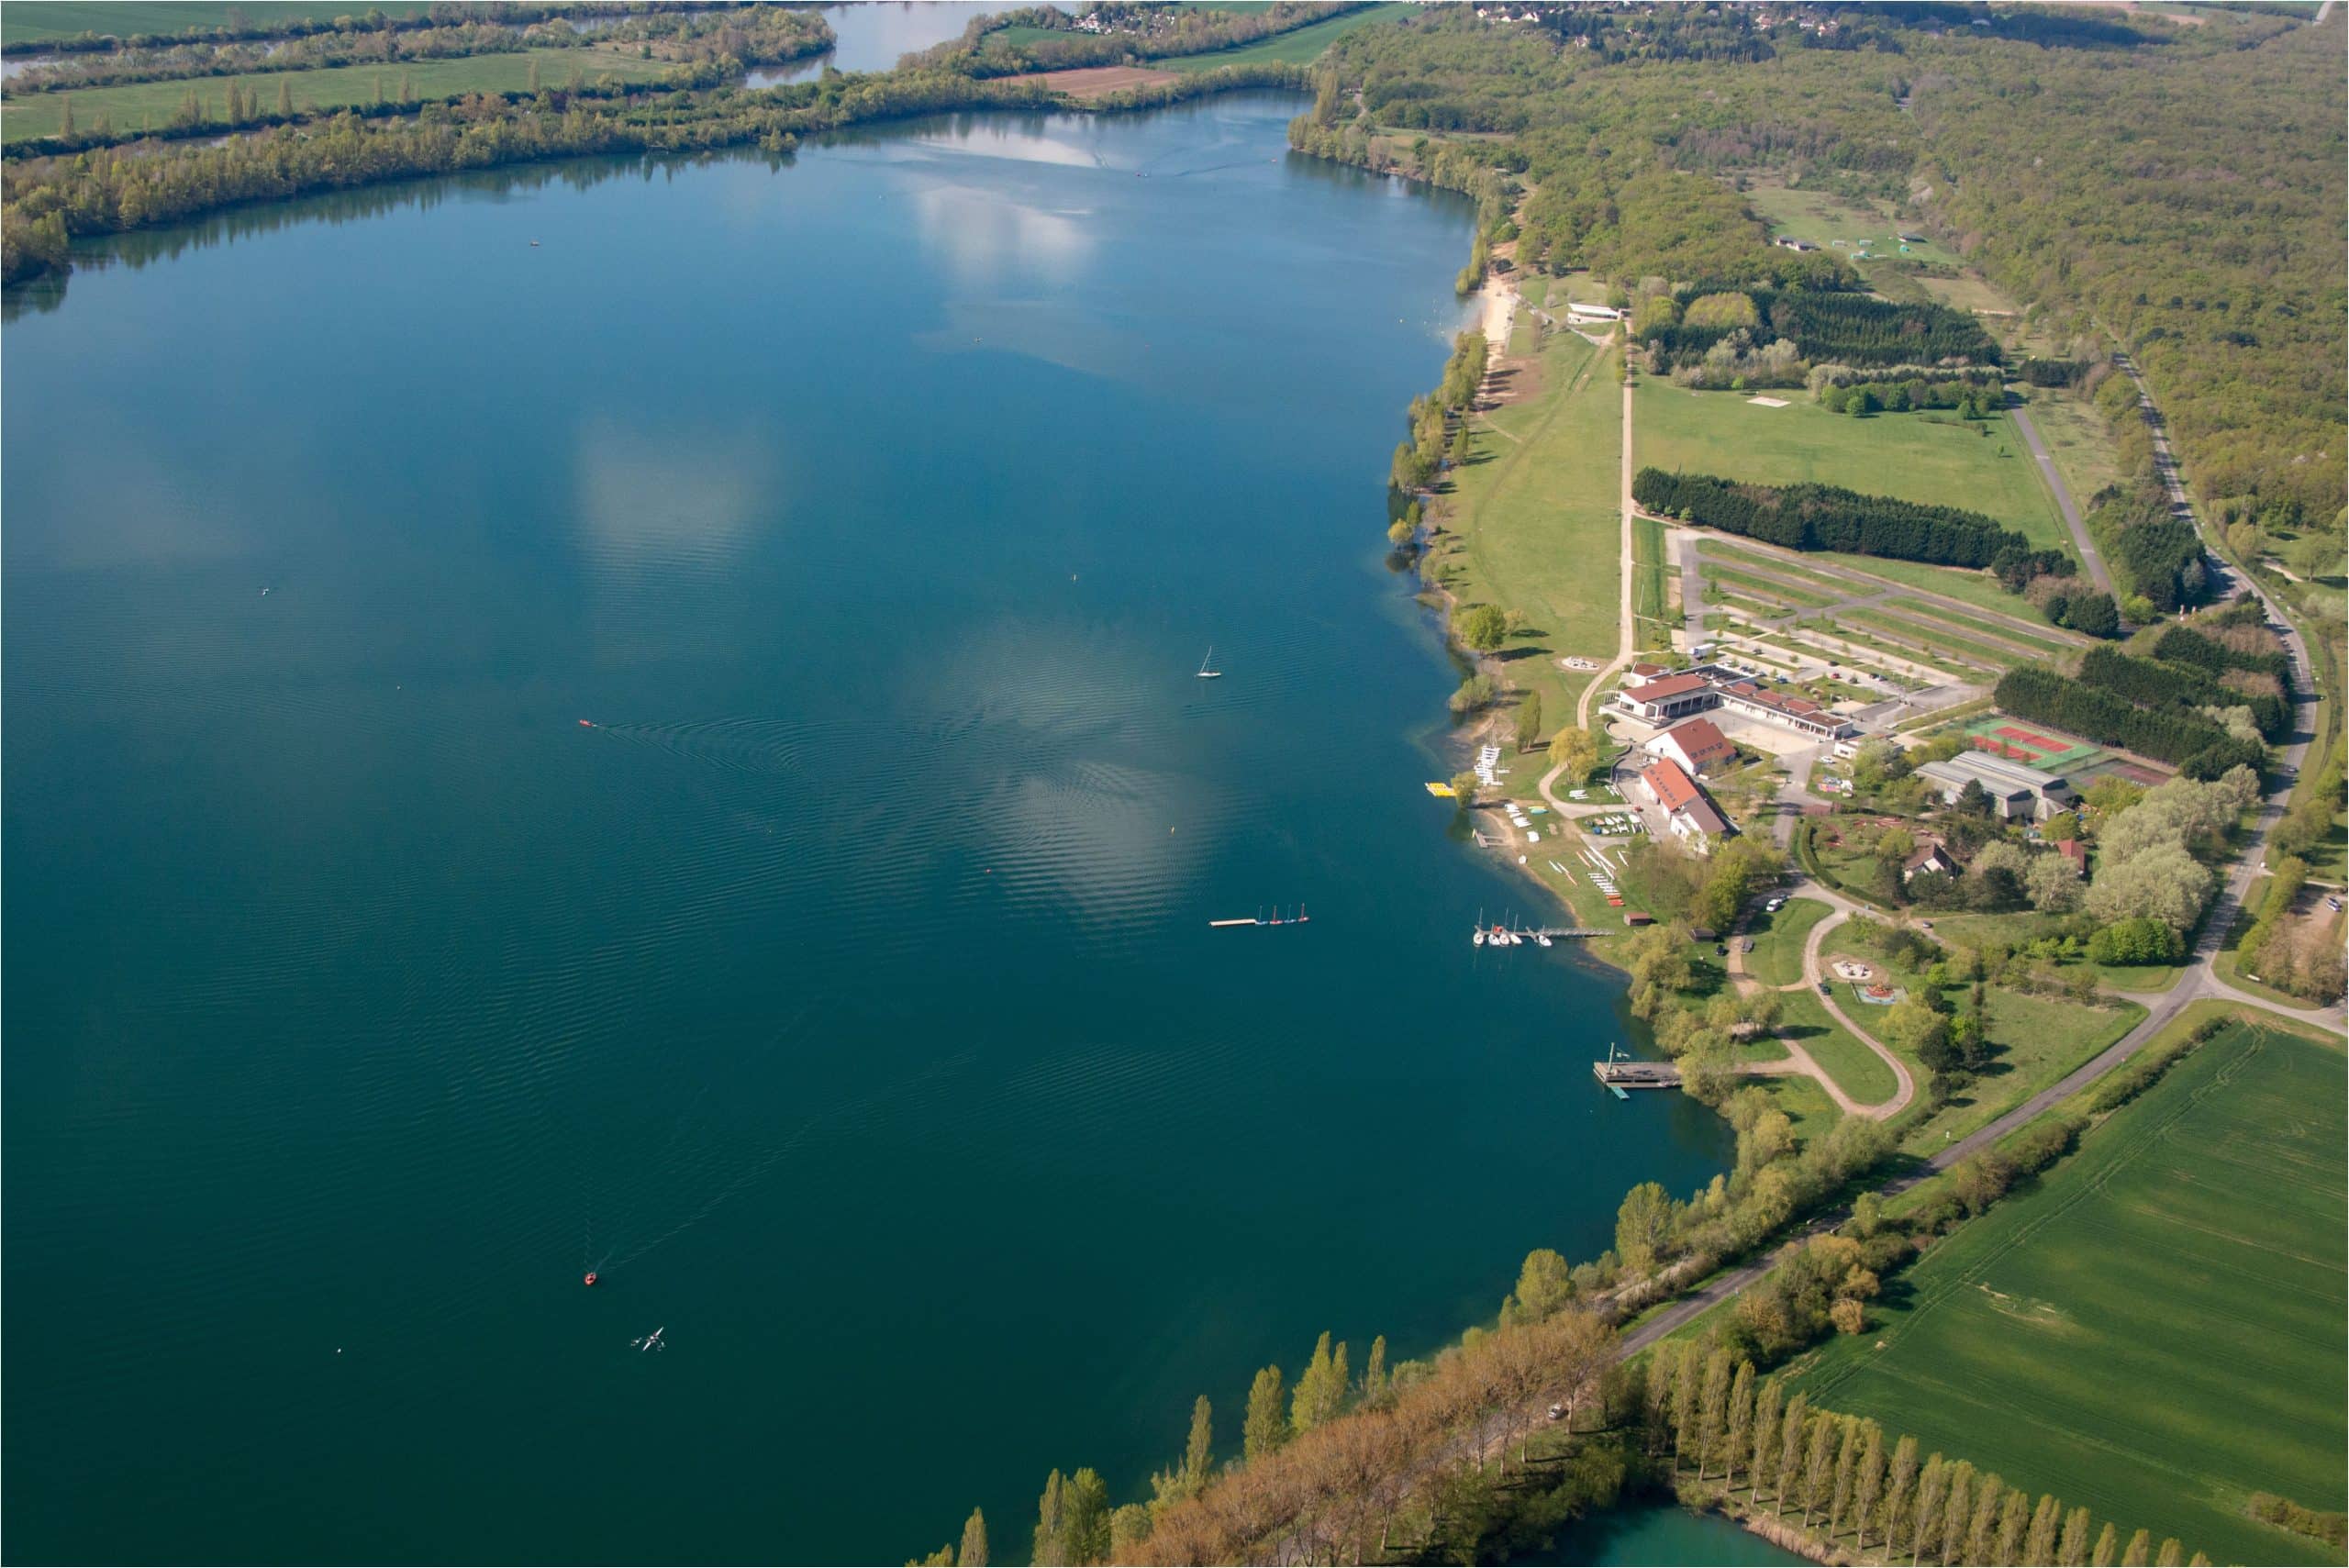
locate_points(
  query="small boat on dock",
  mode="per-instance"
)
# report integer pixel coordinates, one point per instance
(1299, 918)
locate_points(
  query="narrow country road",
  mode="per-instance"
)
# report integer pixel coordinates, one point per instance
(2064, 503)
(1628, 633)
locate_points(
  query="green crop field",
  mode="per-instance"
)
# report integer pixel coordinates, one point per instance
(1532, 523)
(153, 104)
(1932, 458)
(1293, 49)
(36, 21)
(2153, 1329)
(1777, 958)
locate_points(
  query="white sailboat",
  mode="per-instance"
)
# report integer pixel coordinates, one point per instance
(1207, 672)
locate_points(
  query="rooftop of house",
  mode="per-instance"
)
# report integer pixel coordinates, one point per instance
(1669, 686)
(1702, 741)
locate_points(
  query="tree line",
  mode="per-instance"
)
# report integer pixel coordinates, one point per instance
(1713, 1415)
(2200, 747)
(49, 200)
(1848, 330)
(1132, 33)
(2158, 682)
(1825, 517)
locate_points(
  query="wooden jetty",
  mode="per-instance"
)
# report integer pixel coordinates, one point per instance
(1619, 1075)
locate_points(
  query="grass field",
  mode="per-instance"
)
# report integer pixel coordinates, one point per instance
(1532, 525)
(152, 104)
(2024, 925)
(1824, 218)
(1967, 291)
(1918, 457)
(1773, 586)
(33, 21)
(1857, 1071)
(2037, 1040)
(1929, 636)
(1933, 613)
(1294, 49)
(1777, 958)
(2153, 1329)
(2078, 440)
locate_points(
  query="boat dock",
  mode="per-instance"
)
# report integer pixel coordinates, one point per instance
(1619, 1075)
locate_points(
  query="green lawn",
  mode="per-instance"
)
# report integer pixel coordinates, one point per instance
(1823, 217)
(1857, 1071)
(2153, 1329)
(1977, 588)
(1532, 526)
(1951, 616)
(1777, 958)
(33, 21)
(1934, 639)
(1774, 587)
(1935, 459)
(2037, 1040)
(1293, 49)
(152, 104)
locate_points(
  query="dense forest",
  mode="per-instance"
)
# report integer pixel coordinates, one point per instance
(2177, 186)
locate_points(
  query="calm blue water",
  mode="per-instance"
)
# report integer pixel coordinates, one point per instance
(872, 35)
(847, 991)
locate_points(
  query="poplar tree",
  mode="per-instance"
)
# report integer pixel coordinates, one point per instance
(975, 1542)
(2046, 1520)
(1925, 1523)
(1982, 1527)
(2014, 1521)
(2074, 1553)
(1321, 1388)
(2172, 1553)
(1790, 1432)
(1868, 1485)
(407, 88)
(1085, 1503)
(1655, 1395)
(1900, 1492)
(534, 75)
(1847, 1467)
(1688, 1385)
(1713, 1410)
(1128, 1526)
(1266, 1427)
(1766, 1411)
(1529, 721)
(1373, 1376)
(2107, 1547)
(65, 115)
(1051, 1546)
(1740, 1420)
(1817, 1464)
(2140, 1545)
(1186, 1479)
(1957, 1511)
(284, 98)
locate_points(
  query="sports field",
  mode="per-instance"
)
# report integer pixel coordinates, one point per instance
(2029, 745)
(143, 104)
(2154, 1329)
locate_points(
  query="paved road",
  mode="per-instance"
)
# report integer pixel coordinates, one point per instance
(2095, 563)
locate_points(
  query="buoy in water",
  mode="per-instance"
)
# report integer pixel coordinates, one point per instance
(590, 1279)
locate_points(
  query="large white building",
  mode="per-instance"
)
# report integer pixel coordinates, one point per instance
(1706, 686)
(2016, 789)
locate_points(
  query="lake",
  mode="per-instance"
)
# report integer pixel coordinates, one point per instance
(643, 717)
